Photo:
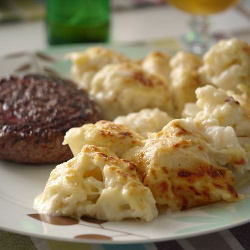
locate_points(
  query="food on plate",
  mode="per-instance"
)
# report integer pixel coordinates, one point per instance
(185, 60)
(215, 104)
(103, 133)
(110, 77)
(226, 65)
(146, 157)
(145, 121)
(184, 79)
(35, 113)
(157, 63)
(86, 63)
(242, 95)
(96, 183)
(177, 167)
(216, 107)
(181, 169)
(122, 88)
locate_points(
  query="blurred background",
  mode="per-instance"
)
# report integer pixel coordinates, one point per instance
(155, 22)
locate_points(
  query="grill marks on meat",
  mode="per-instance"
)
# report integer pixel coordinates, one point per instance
(35, 113)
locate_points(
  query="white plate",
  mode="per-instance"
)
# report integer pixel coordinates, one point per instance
(20, 184)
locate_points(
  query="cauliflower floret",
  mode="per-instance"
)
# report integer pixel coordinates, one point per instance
(184, 79)
(185, 60)
(181, 169)
(227, 64)
(96, 183)
(120, 89)
(216, 108)
(242, 96)
(102, 134)
(216, 104)
(157, 63)
(145, 121)
(88, 62)
(190, 110)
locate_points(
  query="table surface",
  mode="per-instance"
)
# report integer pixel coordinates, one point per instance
(159, 25)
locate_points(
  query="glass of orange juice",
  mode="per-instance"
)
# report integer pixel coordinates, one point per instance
(198, 39)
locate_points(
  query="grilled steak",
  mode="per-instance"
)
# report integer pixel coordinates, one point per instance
(35, 113)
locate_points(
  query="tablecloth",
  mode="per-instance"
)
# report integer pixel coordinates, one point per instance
(237, 238)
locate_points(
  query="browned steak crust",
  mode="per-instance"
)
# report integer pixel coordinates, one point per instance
(35, 113)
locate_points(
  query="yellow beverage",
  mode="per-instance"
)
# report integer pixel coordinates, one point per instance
(203, 7)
